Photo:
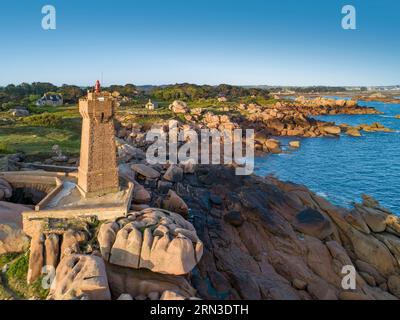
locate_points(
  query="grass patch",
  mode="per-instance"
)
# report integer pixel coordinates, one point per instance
(65, 112)
(19, 268)
(48, 120)
(7, 258)
(16, 279)
(5, 148)
(40, 140)
(4, 295)
(36, 135)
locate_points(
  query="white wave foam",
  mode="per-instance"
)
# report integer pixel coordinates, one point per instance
(322, 194)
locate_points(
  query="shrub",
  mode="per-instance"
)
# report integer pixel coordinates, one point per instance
(5, 148)
(19, 268)
(44, 120)
(7, 258)
(16, 279)
(7, 106)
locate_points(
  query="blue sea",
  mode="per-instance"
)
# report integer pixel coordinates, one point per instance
(342, 169)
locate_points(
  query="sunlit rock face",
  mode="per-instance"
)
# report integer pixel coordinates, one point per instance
(12, 238)
(154, 239)
(80, 277)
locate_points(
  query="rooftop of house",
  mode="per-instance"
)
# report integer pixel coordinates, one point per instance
(52, 97)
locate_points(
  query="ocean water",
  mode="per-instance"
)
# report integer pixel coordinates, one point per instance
(342, 169)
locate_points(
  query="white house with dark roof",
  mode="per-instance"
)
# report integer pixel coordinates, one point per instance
(50, 100)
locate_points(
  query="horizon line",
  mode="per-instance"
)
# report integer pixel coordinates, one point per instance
(207, 84)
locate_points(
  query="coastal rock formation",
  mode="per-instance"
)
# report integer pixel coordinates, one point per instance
(140, 195)
(5, 190)
(36, 258)
(12, 238)
(289, 244)
(52, 250)
(171, 295)
(321, 105)
(10, 162)
(273, 146)
(248, 237)
(19, 112)
(145, 171)
(173, 202)
(220, 122)
(294, 144)
(375, 127)
(127, 152)
(196, 111)
(294, 118)
(80, 277)
(46, 250)
(354, 132)
(153, 239)
(332, 130)
(313, 223)
(251, 238)
(173, 174)
(144, 284)
(71, 241)
(179, 107)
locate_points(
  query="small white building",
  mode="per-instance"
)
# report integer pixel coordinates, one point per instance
(151, 105)
(50, 100)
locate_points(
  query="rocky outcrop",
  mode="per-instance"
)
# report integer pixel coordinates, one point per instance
(173, 174)
(47, 249)
(331, 106)
(127, 152)
(294, 144)
(52, 250)
(331, 130)
(153, 239)
(173, 202)
(273, 146)
(288, 243)
(375, 127)
(10, 162)
(294, 118)
(248, 237)
(80, 277)
(178, 107)
(71, 240)
(12, 238)
(251, 238)
(171, 295)
(5, 190)
(313, 223)
(220, 122)
(145, 171)
(354, 132)
(19, 112)
(144, 284)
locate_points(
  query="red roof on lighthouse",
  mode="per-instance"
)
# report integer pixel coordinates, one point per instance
(97, 87)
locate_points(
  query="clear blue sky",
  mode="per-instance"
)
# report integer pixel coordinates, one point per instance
(285, 42)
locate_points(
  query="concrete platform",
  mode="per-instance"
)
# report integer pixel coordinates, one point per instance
(65, 201)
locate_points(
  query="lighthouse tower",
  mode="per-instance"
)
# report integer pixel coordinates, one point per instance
(98, 170)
